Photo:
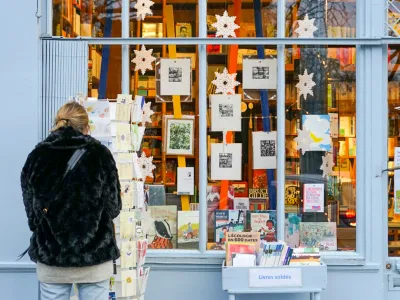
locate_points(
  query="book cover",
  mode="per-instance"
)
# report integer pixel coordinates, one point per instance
(228, 221)
(292, 229)
(259, 179)
(174, 199)
(264, 222)
(162, 235)
(258, 199)
(188, 229)
(213, 197)
(245, 248)
(183, 30)
(156, 195)
(318, 234)
(240, 189)
(241, 203)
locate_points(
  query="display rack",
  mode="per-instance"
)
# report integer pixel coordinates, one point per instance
(236, 281)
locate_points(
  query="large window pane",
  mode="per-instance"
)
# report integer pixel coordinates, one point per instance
(393, 144)
(165, 205)
(333, 18)
(72, 18)
(241, 192)
(320, 120)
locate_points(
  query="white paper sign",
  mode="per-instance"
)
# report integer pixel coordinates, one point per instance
(175, 77)
(275, 277)
(259, 74)
(241, 203)
(314, 198)
(185, 181)
(397, 181)
(264, 150)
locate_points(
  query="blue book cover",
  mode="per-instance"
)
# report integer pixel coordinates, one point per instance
(228, 221)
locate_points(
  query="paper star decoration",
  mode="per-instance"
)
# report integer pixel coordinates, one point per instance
(225, 82)
(303, 140)
(143, 59)
(147, 113)
(225, 25)
(306, 84)
(146, 165)
(306, 28)
(327, 164)
(143, 8)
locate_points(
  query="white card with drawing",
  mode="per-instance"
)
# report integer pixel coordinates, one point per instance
(185, 181)
(175, 77)
(259, 74)
(226, 161)
(264, 150)
(226, 112)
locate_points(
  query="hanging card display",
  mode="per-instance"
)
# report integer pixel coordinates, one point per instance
(226, 114)
(260, 74)
(226, 161)
(264, 150)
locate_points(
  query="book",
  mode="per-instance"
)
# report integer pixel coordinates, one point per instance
(305, 257)
(183, 30)
(213, 197)
(244, 248)
(228, 221)
(156, 195)
(245, 237)
(188, 229)
(263, 221)
(259, 179)
(258, 199)
(241, 203)
(292, 229)
(240, 189)
(152, 30)
(320, 235)
(162, 235)
(174, 199)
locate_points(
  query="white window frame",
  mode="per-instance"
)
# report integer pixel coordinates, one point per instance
(369, 40)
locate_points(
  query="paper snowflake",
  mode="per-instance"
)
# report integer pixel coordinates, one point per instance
(225, 82)
(143, 8)
(147, 113)
(303, 140)
(143, 59)
(306, 28)
(327, 164)
(146, 165)
(306, 84)
(225, 25)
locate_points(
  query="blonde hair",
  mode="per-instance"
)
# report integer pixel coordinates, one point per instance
(71, 114)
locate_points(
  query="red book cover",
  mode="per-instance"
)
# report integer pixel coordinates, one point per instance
(244, 248)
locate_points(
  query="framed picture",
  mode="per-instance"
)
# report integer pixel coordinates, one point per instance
(175, 77)
(264, 150)
(259, 74)
(226, 112)
(183, 30)
(226, 161)
(179, 137)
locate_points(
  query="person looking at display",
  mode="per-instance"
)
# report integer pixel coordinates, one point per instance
(71, 194)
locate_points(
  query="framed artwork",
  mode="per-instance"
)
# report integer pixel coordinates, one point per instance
(226, 161)
(226, 112)
(180, 136)
(183, 30)
(264, 150)
(260, 74)
(175, 77)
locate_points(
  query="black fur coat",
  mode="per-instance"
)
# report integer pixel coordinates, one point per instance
(77, 230)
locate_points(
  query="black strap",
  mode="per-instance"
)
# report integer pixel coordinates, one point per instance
(76, 156)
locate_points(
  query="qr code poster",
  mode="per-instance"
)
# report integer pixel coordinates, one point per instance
(226, 112)
(259, 74)
(264, 150)
(175, 77)
(226, 161)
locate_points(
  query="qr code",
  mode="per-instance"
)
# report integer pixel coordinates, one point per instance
(267, 148)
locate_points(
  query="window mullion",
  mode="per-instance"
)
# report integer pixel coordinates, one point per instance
(125, 81)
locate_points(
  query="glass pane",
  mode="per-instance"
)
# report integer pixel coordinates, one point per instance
(393, 144)
(249, 16)
(241, 192)
(332, 18)
(155, 26)
(320, 183)
(394, 17)
(72, 18)
(162, 140)
(104, 74)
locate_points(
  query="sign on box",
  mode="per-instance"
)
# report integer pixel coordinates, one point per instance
(275, 277)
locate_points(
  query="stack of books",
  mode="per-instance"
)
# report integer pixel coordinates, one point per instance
(274, 254)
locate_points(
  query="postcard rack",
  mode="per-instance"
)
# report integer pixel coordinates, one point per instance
(275, 280)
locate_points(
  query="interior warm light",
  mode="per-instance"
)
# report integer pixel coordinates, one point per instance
(350, 214)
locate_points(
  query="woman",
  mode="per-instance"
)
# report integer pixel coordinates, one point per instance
(71, 216)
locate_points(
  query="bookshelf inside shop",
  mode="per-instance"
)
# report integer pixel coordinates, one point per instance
(339, 89)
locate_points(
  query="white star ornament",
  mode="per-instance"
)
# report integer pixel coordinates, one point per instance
(306, 28)
(327, 164)
(225, 25)
(225, 82)
(306, 84)
(143, 60)
(146, 165)
(303, 140)
(147, 113)
(143, 8)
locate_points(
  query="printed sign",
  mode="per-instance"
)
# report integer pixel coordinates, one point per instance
(314, 198)
(243, 237)
(275, 277)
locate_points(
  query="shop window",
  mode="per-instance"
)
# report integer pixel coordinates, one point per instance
(104, 71)
(393, 149)
(393, 17)
(320, 187)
